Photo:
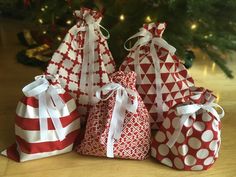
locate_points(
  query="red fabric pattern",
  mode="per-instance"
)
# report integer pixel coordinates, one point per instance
(134, 142)
(175, 81)
(68, 58)
(27, 130)
(198, 145)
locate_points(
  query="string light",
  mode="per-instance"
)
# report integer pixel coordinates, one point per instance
(44, 32)
(206, 37)
(213, 66)
(148, 19)
(58, 38)
(205, 71)
(42, 9)
(218, 97)
(68, 22)
(210, 35)
(46, 6)
(40, 20)
(122, 17)
(193, 26)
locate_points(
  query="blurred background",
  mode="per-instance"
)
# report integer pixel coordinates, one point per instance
(208, 25)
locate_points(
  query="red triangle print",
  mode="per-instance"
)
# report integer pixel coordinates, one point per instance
(151, 77)
(131, 67)
(169, 65)
(170, 85)
(148, 106)
(164, 96)
(185, 92)
(183, 73)
(180, 84)
(190, 79)
(145, 67)
(173, 94)
(175, 75)
(169, 103)
(164, 76)
(145, 87)
(152, 98)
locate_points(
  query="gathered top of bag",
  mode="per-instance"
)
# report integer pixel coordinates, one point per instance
(88, 15)
(126, 79)
(200, 95)
(157, 29)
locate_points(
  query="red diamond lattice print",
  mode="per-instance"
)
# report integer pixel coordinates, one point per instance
(83, 61)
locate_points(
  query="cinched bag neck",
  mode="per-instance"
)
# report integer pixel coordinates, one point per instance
(200, 95)
(88, 15)
(156, 29)
(126, 79)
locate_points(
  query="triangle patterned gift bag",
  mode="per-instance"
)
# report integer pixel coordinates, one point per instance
(83, 61)
(162, 80)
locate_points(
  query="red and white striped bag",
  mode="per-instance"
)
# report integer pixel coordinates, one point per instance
(47, 121)
(83, 61)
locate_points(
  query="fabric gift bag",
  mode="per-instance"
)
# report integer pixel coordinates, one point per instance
(162, 80)
(189, 138)
(47, 121)
(83, 61)
(118, 126)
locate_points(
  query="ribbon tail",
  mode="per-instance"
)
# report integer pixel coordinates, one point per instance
(110, 145)
(91, 61)
(116, 124)
(85, 62)
(159, 100)
(43, 115)
(137, 65)
(55, 117)
(174, 137)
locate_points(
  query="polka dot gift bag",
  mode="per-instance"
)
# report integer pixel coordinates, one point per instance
(47, 121)
(162, 80)
(83, 61)
(189, 138)
(118, 126)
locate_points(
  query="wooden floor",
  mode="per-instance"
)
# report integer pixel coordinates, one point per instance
(13, 76)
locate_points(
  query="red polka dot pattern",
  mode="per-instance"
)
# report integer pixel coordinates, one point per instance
(198, 144)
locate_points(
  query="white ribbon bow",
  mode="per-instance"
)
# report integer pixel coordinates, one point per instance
(49, 105)
(191, 110)
(122, 103)
(146, 37)
(88, 51)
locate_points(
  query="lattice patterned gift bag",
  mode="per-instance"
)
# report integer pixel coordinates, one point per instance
(47, 121)
(118, 126)
(189, 138)
(162, 80)
(83, 61)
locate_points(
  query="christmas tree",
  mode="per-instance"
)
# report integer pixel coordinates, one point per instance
(207, 24)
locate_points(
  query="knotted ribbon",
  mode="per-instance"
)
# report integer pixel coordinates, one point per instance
(88, 51)
(188, 111)
(145, 38)
(122, 104)
(49, 104)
